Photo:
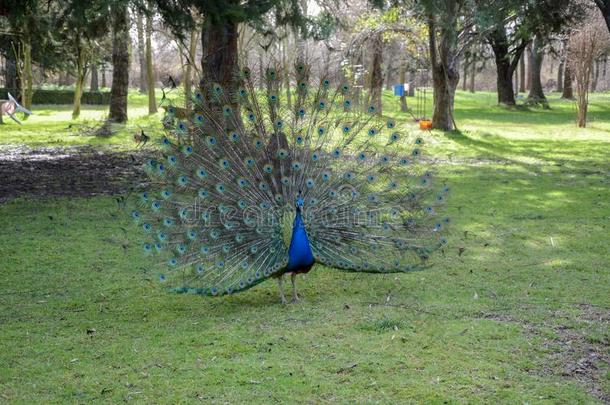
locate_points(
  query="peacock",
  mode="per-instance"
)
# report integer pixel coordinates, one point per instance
(251, 187)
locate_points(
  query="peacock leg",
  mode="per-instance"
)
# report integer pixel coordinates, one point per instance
(280, 282)
(293, 279)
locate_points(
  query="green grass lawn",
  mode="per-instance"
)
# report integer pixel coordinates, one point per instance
(516, 309)
(52, 125)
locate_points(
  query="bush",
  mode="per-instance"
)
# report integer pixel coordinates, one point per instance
(63, 97)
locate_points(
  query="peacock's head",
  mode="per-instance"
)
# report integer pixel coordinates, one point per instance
(299, 201)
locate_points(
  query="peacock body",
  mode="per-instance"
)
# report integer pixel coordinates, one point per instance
(251, 188)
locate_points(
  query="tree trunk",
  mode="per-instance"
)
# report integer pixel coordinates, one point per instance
(465, 74)
(261, 66)
(80, 80)
(516, 82)
(104, 84)
(358, 80)
(403, 98)
(388, 74)
(473, 71)
(530, 67)
(568, 92)
(219, 54)
(300, 37)
(505, 67)
(376, 82)
(25, 71)
(595, 75)
(94, 85)
(445, 66)
(285, 75)
(120, 65)
(150, 73)
(522, 77)
(504, 81)
(141, 51)
(188, 76)
(560, 75)
(583, 105)
(536, 94)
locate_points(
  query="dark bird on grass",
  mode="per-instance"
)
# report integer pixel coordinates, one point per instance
(252, 189)
(141, 138)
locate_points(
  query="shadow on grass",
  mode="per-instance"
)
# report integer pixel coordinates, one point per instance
(584, 157)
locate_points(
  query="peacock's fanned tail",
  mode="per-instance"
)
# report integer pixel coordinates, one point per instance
(221, 202)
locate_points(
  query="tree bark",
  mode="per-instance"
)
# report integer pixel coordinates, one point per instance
(219, 59)
(141, 51)
(504, 83)
(536, 94)
(120, 65)
(150, 73)
(445, 66)
(376, 81)
(568, 92)
(94, 84)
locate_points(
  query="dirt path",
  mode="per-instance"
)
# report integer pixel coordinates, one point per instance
(67, 171)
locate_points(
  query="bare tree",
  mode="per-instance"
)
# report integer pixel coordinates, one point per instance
(585, 45)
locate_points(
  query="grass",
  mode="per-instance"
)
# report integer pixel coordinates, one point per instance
(507, 313)
(52, 125)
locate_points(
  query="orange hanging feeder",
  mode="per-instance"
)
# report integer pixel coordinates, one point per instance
(425, 124)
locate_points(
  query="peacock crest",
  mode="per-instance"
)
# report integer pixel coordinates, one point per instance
(250, 186)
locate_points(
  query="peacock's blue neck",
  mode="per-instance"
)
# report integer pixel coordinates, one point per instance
(299, 252)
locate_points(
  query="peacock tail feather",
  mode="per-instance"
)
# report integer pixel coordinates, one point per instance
(220, 207)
